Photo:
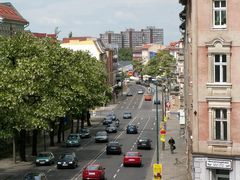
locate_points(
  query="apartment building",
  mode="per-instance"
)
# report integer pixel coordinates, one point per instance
(211, 31)
(131, 38)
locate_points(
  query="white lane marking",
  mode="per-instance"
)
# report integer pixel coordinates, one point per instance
(114, 176)
(118, 170)
(151, 128)
(140, 104)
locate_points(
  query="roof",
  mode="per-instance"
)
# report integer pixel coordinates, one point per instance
(43, 35)
(67, 40)
(8, 12)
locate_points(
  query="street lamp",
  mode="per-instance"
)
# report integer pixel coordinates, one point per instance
(157, 123)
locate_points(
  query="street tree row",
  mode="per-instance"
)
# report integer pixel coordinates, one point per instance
(42, 84)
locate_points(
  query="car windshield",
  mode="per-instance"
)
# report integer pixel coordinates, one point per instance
(72, 137)
(113, 144)
(92, 167)
(43, 155)
(102, 133)
(127, 113)
(67, 157)
(132, 154)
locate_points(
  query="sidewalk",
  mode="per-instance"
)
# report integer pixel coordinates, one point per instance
(174, 165)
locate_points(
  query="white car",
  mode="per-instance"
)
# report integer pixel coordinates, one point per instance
(140, 91)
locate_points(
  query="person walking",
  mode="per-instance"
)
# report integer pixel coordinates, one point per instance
(171, 142)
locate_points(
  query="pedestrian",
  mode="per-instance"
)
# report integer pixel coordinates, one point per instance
(171, 142)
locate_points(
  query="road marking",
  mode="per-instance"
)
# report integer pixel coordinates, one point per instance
(118, 170)
(114, 176)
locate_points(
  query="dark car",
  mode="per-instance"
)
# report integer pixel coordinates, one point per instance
(107, 120)
(111, 128)
(84, 133)
(132, 129)
(67, 160)
(73, 140)
(157, 101)
(127, 115)
(45, 158)
(113, 147)
(144, 143)
(35, 176)
(101, 136)
(116, 123)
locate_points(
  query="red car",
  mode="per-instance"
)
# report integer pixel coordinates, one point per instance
(132, 158)
(93, 172)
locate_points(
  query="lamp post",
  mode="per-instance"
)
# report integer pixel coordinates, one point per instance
(157, 124)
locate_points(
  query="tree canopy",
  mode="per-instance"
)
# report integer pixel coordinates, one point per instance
(40, 81)
(125, 54)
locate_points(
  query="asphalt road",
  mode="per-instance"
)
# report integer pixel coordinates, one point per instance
(91, 152)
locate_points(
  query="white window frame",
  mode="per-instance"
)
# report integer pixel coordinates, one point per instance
(219, 9)
(221, 64)
(221, 120)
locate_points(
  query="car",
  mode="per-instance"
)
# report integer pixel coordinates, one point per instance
(93, 172)
(132, 158)
(113, 147)
(157, 101)
(116, 123)
(101, 136)
(111, 128)
(112, 115)
(132, 129)
(140, 91)
(107, 120)
(35, 176)
(129, 93)
(148, 97)
(84, 133)
(144, 143)
(127, 115)
(67, 160)
(45, 158)
(73, 140)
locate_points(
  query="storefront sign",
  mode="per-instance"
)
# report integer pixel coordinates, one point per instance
(219, 164)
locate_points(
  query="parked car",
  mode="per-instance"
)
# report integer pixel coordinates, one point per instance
(107, 120)
(94, 172)
(35, 176)
(157, 101)
(84, 133)
(67, 160)
(132, 129)
(144, 143)
(132, 158)
(101, 136)
(45, 158)
(111, 128)
(73, 140)
(140, 91)
(113, 147)
(117, 123)
(127, 115)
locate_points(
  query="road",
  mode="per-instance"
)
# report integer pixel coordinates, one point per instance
(90, 152)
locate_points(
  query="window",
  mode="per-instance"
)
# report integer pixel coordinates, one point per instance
(220, 68)
(220, 174)
(220, 124)
(219, 13)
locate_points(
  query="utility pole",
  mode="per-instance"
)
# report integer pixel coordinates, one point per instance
(157, 124)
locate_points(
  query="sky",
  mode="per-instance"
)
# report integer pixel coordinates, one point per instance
(92, 17)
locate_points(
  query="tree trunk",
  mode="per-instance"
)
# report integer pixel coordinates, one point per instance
(82, 117)
(34, 142)
(88, 118)
(60, 127)
(72, 125)
(51, 133)
(22, 143)
(77, 125)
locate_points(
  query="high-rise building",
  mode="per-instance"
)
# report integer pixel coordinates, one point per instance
(211, 32)
(131, 38)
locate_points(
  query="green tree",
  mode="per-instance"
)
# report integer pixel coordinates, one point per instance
(125, 54)
(162, 64)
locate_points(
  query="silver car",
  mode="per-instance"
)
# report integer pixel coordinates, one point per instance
(101, 136)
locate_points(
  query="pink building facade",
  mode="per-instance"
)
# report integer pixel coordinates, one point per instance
(212, 95)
